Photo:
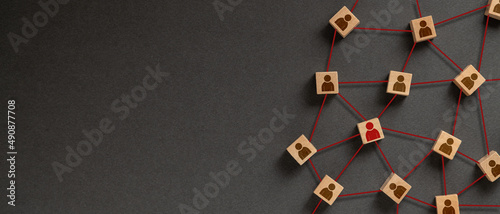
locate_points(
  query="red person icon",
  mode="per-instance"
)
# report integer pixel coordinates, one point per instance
(371, 134)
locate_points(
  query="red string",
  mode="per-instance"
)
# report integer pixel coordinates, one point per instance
(420, 201)
(384, 157)
(317, 206)
(387, 106)
(456, 115)
(482, 118)
(317, 118)
(444, 176)
(461, 15)
(471, 184)
(337, 143)
(363, 82)
(467, 157)
(474, 205)
(331, 50)
(362, 28)
(310, 161)
(352, 106)
(361, 193)
(445, 55)
(418, 6)
(417, 165)
(492, 80)
(349, 162)
(438, 81)
(354, 5)
(409, 134)
(484, 39)
(409, 56)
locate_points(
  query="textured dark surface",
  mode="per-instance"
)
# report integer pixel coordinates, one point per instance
(226, 77)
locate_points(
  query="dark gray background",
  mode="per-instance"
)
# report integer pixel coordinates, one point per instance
(226, 79)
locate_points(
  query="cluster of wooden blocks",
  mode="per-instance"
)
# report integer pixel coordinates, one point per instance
(447, 145)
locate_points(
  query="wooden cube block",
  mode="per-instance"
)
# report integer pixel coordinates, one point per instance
(469, 80)
(494, 9)
(395, 187)
(370, 131)
(447, 204)
(490, 165)
(423, 29)
(328, 190)
(399, 83)
(446, 145)
(301, 150)
(344, 21)
(327, 82)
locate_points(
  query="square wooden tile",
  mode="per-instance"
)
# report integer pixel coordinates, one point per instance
(301, 150)
(370, 131)
(490, 165)
(469, 80)
(446, 145)
(446, 204)
(399, 83)
(344, 21)
(423, 29)
(395, 187)
(328, 190)
(327, 82)
(494, 9)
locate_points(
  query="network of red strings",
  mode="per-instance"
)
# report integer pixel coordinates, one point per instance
(404, 133)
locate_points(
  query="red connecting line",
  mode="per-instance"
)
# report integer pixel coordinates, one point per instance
(484, 39)
(362, 28)
(310, 161)
(409, 134)
(397, 209)
(461, 15)
(355, 82)
(456, 115)
(417, 165)
(471, 184)
(482, 117)
(420, 201)
(317, 206)
(438, 81)
(387, 106)
(338, 143)
(444, 176)
(352, 106)
(317, 118)
(492, 80)
(445, 55)
(418, 6)
(406, 63)
(361, 193)
(477, 205)
(354, 5)
(384, 157)
(468, 157)
(349, 162)
(331, 50)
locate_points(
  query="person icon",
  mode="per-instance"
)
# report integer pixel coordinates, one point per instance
(343, 22)
(424, 30)
(327, 85)
(446, 147)
(372, 133)
(400, 85)
(469, 81)
(303, 151)
(495, 169)
(448, 209)
(497, 8)
(399, 191)
(327, 192)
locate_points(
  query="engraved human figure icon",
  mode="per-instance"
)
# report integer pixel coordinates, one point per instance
(327, 85)
(399, 191)
(448, 209)
(343, 22)
(446, 147)
(424, 30)
(372, 133)
(495, 169)
(497, 8)
(400, 85)
(328, 192)
(469, 81)
(303, 151)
